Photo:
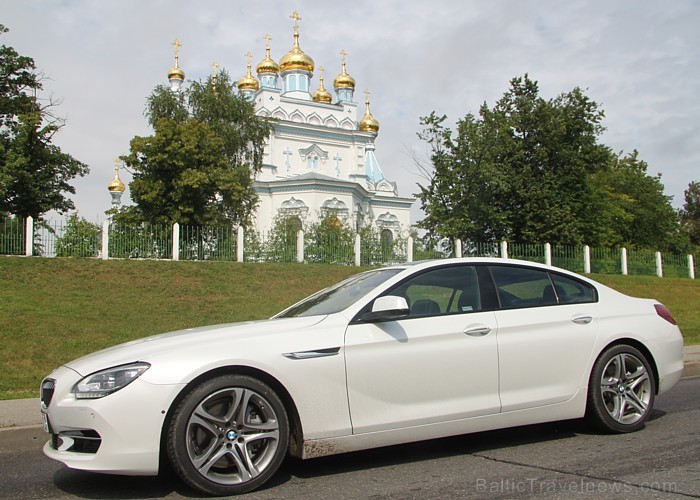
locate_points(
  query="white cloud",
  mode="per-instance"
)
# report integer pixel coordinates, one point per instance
(638, 59)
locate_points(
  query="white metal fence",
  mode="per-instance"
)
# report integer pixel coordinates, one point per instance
(145, 241)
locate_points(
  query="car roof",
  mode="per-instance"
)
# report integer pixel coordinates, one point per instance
(427, 264)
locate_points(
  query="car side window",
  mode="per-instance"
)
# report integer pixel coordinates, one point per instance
(523, 287)
(571, 291)
(447, 290)
(526, 287)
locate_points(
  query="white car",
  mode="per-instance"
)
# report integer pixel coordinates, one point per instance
(393, 355)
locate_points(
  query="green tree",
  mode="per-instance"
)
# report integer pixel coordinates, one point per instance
(633, 205)
(329, 241)
(281, 243)
(34, 173)
(19, 84)
(690, 213)
(80, 238)
(198, 166)
(533, 170)
(176, 172)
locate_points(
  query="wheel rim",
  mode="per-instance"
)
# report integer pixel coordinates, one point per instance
(232, 436)
(626, 388)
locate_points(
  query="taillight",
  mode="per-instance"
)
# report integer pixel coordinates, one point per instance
(663, 311)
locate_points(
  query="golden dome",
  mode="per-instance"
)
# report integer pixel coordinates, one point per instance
(368, 123)
(321, 94)
(116, 185)
(176, 72)
(343, 80)
(296, 58)
(248, 82)
(267, 65)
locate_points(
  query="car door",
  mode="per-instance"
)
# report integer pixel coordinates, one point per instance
(547, 328)
(438, 364)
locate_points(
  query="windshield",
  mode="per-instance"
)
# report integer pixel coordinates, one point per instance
(340, 296)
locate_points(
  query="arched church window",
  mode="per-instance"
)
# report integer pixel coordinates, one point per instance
(386, 238)
(312, 162)
(386, 242)
(295, 224)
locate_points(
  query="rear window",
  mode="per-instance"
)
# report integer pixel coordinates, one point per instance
(571, 291)
(527, 287)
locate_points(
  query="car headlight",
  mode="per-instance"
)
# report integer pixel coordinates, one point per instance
(105, 382)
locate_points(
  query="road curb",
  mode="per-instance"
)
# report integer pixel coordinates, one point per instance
(691, 361)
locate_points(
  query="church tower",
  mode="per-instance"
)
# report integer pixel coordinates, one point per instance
(267, 69)
(319, 158)
(296, 68)
(116, 188)
(176, 76)
(344, 84)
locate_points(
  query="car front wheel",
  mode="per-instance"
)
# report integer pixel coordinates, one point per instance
(621, 390)
(228, 436)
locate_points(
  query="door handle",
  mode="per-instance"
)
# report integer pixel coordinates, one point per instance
(478, 331)
(582, 320)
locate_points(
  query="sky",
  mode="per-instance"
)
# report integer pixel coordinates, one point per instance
(638, 59)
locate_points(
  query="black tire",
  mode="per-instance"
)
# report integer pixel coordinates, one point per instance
(228, 436)
(621, 390)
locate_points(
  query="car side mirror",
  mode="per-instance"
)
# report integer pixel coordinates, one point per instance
(387, 308)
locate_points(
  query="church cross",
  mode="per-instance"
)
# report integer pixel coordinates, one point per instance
(296, 18)
(215, 65)
(267, 41)
(337, 159)
(287, 153)
(177, 45)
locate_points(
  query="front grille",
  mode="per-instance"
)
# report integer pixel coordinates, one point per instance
(87, 441)
(47, 389)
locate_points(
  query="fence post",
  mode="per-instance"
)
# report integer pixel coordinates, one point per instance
(105, 240)
(358, 249)
(300, 246)
(409, 249)
(239, 244)
(659, 266)
(458, 248)
(548, 254)
(504, 249)
(691, 267)
(176, 241)
(623, 261)
(587, 259)
(29, 237)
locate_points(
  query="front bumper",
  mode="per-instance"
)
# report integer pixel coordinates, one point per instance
(117, 434)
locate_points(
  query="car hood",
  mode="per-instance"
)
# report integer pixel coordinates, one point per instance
(149, 348)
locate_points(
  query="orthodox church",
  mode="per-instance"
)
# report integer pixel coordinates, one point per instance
(319, 159)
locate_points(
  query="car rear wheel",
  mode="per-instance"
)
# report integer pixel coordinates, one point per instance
(621, 390)
(228, 436)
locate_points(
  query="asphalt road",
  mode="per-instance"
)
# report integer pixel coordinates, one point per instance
(561, 460)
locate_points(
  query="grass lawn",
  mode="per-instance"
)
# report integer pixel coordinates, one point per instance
(54, 310)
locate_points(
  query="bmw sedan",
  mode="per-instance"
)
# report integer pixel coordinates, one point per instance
(393, 355)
